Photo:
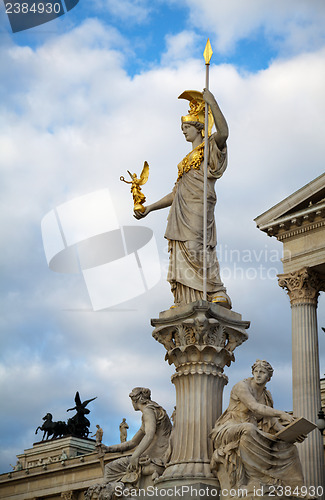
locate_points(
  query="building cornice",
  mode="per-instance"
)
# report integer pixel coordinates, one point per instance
(302, 221)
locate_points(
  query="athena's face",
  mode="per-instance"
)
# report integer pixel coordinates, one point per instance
(260, 375)
(190, 132)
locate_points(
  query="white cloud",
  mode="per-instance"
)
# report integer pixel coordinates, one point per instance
(77, 123)
(294, 25)
(179, 47)
(134, 11)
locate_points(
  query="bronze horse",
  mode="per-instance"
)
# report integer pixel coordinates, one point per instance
(77, 426)
(54, 429)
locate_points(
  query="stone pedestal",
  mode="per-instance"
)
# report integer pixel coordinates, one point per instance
(200, 339)
(47, 452)
(303, 288)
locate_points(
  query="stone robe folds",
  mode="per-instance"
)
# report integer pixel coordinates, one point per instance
(185, 229)
(116, 470)
(246, 452)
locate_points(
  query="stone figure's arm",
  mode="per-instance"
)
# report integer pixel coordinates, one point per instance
(276, 426)
(128, 445)
(149, 422)
(166, 201)
(259, 409)
(220, 122)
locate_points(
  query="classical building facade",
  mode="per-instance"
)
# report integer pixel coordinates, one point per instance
(59, 469)
(299, 223)
(62, 469)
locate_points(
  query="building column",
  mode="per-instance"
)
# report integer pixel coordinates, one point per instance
(303, 288)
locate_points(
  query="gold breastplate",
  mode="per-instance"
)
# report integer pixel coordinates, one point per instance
(192, 160)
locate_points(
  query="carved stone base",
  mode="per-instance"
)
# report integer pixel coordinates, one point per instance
(200, 339)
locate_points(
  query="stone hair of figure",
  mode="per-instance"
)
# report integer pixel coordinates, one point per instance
(246, 452)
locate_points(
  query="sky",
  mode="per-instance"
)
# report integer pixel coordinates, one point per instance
(92, 94)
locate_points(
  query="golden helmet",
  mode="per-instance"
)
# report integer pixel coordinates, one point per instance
(196, 113)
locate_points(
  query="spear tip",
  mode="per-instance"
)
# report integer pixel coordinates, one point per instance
(207, 54)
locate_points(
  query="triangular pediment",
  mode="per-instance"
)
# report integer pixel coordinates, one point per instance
(307, 199)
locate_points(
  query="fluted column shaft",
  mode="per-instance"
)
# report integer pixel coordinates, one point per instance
(303, 289)
(200, 340)
(199, 384)
(305, 361)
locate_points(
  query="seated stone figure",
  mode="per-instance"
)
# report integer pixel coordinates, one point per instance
(150, 444)
(246, 452)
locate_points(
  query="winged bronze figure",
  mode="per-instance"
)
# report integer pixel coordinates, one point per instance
(79, 425)
(136, 183)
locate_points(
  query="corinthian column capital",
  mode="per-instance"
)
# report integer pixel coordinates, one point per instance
(302, 286)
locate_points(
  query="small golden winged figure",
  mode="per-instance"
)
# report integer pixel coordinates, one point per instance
(138, 197)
